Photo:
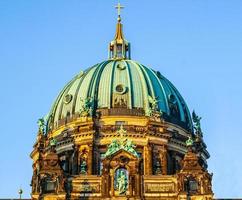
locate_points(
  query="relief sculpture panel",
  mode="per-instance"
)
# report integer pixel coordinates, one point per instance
(159, 187)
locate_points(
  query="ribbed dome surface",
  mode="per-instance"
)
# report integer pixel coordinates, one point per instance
(121, 83)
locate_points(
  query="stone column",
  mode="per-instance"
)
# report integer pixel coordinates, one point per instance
(137, 185)
(105, 185)
(130, 188)
(96, 160)
(112, 182)
(90, 159)
(75, 160)
(163, 158)
(106, 181)
(147, 160)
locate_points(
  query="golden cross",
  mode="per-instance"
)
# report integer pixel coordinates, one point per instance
(119, 7)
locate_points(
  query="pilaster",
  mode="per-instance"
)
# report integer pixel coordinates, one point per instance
(163, 159)
(147, 160)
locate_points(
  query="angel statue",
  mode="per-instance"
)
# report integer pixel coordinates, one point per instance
(154, 102)
(197, 125)
(112, 148)
(86, 107)
(41, 124)
(130, 147)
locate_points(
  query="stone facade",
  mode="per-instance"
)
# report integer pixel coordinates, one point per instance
(74, 167)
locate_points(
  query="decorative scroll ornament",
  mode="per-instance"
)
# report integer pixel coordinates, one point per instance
(42, 125)
(86, 107)
(197, 125)
(123, 143)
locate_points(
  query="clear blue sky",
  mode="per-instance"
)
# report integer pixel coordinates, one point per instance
(196, 44)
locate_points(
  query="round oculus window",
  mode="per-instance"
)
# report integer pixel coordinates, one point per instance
(121, 89)
(172, 98)
(121, 67)
(67, 98)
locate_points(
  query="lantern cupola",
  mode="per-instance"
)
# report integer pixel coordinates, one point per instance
(119, 48)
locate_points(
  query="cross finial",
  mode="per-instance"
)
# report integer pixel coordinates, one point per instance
(119, 7)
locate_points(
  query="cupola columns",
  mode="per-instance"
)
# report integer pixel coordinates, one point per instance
(119, 48)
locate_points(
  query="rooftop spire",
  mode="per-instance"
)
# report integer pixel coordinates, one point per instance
(119, 48)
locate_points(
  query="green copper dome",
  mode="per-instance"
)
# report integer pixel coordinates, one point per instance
(122, 84)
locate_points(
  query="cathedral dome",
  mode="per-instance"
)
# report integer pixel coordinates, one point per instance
(121, 87)
(119, 130)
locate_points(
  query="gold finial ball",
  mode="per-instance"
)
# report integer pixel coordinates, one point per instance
(119, 19)
(20, 191)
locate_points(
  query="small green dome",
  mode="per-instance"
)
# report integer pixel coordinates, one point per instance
(122, 84)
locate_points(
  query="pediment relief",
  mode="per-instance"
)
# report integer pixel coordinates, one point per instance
(123, 143)
(121, 154)
(121, 159)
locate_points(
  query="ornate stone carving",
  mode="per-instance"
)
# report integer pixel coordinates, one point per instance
(120, 101)
(192, 178)
(87, 187)
(159, 187)
(122, 143)
(121, 171)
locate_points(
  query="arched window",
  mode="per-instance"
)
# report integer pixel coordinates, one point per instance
(191, 185)
(48, 185)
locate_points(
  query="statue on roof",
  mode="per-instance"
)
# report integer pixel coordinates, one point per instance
(123, 143)
(197, 125)
(86, 107)
(153, 102)
(130, 147)
(189, 142)
(42, 125)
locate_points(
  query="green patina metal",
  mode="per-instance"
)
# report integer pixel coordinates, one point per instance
(86, 107)
(197, 124)
(189, 142)
(42, 125)
(125, 144)
(145, 89)
(83, 167)
(122, 143)
(53, 142)
(122, 182)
